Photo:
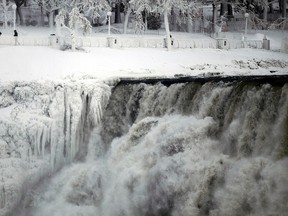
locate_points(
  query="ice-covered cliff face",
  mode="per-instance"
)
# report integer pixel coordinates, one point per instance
(43, 126)
(187, 149)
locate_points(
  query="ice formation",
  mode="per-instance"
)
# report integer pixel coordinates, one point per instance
(47, 126)
(186, 149)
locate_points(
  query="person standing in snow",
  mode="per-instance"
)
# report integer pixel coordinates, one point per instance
(16, 37)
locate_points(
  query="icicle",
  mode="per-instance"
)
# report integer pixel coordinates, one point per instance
(2, 198)
(53, 146)
(44, 139)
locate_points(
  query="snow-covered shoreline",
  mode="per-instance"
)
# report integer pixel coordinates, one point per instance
(44, 63)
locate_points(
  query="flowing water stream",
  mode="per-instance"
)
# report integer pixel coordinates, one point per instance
(192, 148)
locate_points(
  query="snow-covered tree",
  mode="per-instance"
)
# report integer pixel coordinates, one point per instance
(165, 7)
(60, 21)
(6, 5)
(68, 35)
(257, 9)
(181, 16)
(185, 8)
(92, 8)
(139, 25)
(77, 21)
(50, 7)
(4, 9)
(138, 7)
(127, 12)
(19, 4)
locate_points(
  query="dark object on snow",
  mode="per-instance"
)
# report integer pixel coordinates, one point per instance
(16, 38)
(15, 33)
(0, 33)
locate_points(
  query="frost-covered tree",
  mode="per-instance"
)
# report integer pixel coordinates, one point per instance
(50, 7)
(5, 5)
(4, 9)
(127, 12)
(224, 5)
(92, 8)
(164, 7)
(19, 3)
(60, 21)
(181, 16)
(139, 25)
(257, 9)
(215, 5)
(77, 21)
(138, 7)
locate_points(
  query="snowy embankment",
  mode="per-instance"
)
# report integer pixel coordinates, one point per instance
(44, 63)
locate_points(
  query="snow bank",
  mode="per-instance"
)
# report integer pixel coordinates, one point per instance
(43, 63)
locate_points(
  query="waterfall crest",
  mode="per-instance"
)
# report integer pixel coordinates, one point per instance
(249, 116)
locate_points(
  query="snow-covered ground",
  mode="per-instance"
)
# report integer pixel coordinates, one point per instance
(42, 63)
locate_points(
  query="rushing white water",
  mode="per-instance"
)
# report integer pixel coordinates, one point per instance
(187, 149)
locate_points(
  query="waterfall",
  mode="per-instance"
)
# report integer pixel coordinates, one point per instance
(248, 116)
(213, 148)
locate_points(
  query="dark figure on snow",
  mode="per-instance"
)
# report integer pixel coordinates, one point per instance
(16, 37)
(0, 33)
(15, 33)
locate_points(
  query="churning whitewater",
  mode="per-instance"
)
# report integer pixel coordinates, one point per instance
(186, 149)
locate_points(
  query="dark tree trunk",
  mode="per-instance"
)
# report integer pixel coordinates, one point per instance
(284, 6)
(284, 13)
(214, 18)
(280, 6)
(19, 15)
(19, 3)
(230, 11)
(270, 7)
(117, 13)
(42, 17)
(223, 9)
(173, 20)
